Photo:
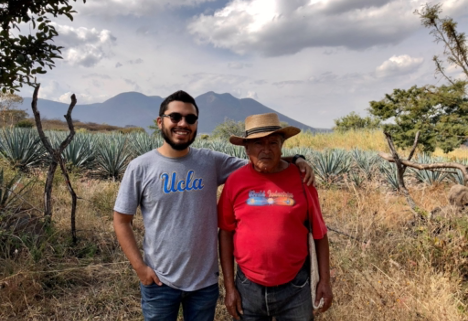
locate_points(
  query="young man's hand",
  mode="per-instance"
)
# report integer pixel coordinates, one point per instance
(304, 167)
(147, 275)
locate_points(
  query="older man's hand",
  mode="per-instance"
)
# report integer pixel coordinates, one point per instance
(324, 291)
(304, 167)
(233, 303)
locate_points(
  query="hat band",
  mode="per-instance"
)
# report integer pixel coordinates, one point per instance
(261, 130)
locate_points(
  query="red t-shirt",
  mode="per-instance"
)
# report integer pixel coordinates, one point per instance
(267, 213)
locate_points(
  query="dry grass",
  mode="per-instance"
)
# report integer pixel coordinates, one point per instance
(366, 140)
(401, 269)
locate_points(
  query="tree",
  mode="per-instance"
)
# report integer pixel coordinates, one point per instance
(353, 121)
(228, 128)
(12, 117)
(440, 114)
(445, 31)
(25, 53)
(9, 115)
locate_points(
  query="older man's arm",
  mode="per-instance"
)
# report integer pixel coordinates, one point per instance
(232, 298)
(126, 238)
(324, 289)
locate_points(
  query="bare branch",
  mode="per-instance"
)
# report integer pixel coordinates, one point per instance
(69, 138)
(433, 166)
(401, 168)
(37, 118)
(415, 144)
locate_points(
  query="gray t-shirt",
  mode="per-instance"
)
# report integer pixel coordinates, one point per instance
(177, 198)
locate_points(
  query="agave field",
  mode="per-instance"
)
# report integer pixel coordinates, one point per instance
(386, 264)
(106, 155)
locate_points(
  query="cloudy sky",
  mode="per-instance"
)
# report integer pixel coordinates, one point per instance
(312, 60)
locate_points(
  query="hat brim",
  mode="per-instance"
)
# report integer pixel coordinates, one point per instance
(287, 132)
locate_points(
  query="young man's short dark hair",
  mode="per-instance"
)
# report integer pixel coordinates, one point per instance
(177, 96)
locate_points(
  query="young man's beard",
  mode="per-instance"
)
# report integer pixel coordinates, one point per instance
(180, 146)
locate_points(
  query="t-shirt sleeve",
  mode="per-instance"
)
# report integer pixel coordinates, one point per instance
(226, 218)
(226, 164)
(319, 229)
(129, 194)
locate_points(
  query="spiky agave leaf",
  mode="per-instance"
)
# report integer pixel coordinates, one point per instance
(390, 173)
(22, 147)
(366, 161)
(330, 165)
(81, 152)
(113, 155)
(141, 143)
(426, 176)
(10, 191)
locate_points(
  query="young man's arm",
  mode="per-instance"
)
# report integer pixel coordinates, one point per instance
(324, 289)
(123, 230)
(232, 299)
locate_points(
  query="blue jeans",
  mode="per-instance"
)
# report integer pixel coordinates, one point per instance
(287, 302)
(162, 303)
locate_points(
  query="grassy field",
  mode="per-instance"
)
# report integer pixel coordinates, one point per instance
(396, 267)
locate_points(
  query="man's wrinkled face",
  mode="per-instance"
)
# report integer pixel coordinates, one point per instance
(265, 153)
(179, 135)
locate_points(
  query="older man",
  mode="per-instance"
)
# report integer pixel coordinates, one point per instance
(263, 215)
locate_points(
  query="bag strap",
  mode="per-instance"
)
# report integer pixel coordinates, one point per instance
(309, 218)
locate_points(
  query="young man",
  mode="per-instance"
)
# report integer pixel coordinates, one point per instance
(175, 187)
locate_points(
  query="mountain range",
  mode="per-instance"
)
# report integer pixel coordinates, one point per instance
(136, 109)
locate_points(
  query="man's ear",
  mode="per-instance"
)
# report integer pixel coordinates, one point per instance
(159, 121)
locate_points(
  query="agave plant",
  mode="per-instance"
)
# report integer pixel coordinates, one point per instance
(22, 147)
(356, 177)
(10, 191)
(227, 148)
(81, 152)
(113, 155)
(366, 161)
(390, 173)
(458, 177)
(331, 165)
(426, 176)
(141, 143)
(202, 143)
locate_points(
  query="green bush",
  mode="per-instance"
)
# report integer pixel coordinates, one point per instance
(25, 123)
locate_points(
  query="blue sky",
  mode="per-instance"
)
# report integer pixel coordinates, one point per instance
(312, 60)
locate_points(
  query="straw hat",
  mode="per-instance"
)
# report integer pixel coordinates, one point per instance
(257, 126)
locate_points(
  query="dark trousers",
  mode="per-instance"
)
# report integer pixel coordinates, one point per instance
(287, 302)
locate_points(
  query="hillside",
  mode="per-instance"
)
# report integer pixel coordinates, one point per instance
(136, 109)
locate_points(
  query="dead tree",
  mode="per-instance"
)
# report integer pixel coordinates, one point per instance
(401, 168)
(56, 159)
(402, 164)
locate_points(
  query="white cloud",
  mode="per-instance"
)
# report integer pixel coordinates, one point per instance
(238, 65)
(65, 98)
(252, 94)
(133, 7)
(84, 47)
(274, 28)
(398, 65)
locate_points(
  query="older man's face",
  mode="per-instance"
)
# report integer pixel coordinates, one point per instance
(265, 153)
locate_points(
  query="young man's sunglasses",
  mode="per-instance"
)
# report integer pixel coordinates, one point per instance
(177, 117)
